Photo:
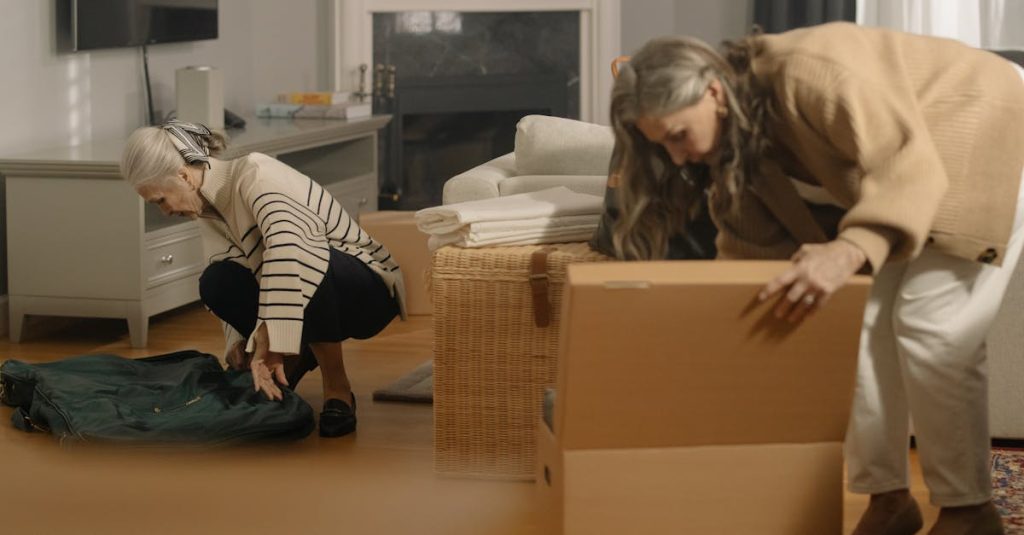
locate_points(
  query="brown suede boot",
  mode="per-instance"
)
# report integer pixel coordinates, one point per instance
(890, 513)
(981, 519)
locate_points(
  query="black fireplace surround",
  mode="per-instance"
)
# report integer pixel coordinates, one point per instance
(461, 83)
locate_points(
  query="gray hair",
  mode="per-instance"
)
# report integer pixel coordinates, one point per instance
(149, 154)
(658, 198)
(668, 73)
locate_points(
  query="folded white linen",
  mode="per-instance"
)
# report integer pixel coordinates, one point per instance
(519, 232)
(484, 228)
(548, 203)
(569, 234)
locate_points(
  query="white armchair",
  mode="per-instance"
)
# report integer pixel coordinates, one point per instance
(1006, 347)
(549, 152)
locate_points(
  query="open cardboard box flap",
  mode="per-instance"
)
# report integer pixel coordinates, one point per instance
(667, 354)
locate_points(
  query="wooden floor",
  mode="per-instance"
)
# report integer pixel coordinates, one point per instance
(380, 480)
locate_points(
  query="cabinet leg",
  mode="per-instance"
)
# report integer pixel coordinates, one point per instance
(16, 317)
(138, 329)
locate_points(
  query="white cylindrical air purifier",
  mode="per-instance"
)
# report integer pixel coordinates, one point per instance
(199, 92)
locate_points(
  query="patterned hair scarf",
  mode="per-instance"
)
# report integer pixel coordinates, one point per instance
(185, 137)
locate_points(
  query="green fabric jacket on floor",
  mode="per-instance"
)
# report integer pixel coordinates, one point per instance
(177, 398)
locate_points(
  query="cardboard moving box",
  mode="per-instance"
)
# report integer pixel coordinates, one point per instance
(684, 406)
(397, 231)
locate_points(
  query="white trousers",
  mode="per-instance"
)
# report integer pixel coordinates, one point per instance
(922, 353)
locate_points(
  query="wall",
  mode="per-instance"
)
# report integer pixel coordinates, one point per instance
(646, 19)
(51, 99)
(265, 46)
(709, 21)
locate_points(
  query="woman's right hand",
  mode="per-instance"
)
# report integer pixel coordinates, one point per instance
(267, 366)
(267, 373)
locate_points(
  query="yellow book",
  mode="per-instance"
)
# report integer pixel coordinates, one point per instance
(322, 98)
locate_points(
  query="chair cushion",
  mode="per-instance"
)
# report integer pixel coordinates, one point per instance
(589, 184)
(556, 146)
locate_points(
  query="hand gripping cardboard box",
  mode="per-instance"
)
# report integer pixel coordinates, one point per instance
(397, 231)
(684, 406)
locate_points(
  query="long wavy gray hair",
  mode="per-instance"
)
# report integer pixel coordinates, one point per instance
(656, 197)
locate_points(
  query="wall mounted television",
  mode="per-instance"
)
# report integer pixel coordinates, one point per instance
(96, 24)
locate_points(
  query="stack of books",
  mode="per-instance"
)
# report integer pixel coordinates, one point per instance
(315, 98)
(315, 105)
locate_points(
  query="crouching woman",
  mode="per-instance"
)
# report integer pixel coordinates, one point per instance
(291, 275)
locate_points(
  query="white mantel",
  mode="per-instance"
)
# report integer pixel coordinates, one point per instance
(600, 34)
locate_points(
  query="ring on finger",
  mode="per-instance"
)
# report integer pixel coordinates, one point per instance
(810, 299)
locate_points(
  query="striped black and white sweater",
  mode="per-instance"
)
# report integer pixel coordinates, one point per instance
(280, 224)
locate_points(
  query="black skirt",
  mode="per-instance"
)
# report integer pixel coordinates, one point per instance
(352, 301)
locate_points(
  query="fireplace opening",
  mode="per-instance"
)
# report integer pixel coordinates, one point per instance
(442, 127)
(438, 146)
(456, 84)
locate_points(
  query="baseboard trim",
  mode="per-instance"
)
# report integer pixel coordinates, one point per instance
(4, 315)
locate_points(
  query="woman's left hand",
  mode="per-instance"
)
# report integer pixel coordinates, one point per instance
(818, 270)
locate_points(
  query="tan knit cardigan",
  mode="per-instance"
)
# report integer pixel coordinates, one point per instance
(921, 140)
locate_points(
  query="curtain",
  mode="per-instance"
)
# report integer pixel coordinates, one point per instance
(997, 24)
(780, 15)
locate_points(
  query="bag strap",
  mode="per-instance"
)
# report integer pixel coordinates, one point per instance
(539, 284)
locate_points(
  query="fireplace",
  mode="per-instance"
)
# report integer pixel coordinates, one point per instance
(456, 84)
(463, 73)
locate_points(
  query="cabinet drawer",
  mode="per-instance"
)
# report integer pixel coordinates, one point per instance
(355, 195)
(171, 257)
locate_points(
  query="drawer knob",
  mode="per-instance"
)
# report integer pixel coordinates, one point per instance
(167, 259)
(363, 201)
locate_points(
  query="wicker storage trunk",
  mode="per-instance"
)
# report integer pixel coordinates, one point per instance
(491, 359)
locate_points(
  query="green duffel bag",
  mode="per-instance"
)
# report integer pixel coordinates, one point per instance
(177, 398)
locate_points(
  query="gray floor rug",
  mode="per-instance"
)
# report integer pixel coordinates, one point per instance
(416, 386)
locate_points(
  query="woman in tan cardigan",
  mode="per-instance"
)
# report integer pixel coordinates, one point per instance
(851, 149)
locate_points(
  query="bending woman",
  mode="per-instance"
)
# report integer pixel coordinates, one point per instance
(849, 149)
(290, 272)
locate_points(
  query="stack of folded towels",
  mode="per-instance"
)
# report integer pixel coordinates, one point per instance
(554, 215)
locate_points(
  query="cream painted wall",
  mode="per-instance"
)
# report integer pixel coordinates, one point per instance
(47, 98)
(714, 21)
(709, 21)
(50, 99)
(645, 19)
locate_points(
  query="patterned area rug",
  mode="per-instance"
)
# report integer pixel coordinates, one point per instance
(1008, 487)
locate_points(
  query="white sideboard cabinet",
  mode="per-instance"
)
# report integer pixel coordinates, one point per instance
(82, 243)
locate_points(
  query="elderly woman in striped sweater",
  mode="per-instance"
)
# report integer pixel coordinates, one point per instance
(847, 149)
(290, 273)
